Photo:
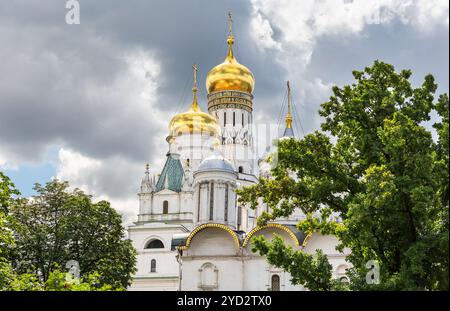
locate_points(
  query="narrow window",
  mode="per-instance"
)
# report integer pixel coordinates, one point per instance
(234, 118)
(242, 119)
(226, 203)
(153, 265)
(199, 197)
(275, 283)
(211, 201)
(241, 169)
(239, 217)
(224, 118)
(165, 207)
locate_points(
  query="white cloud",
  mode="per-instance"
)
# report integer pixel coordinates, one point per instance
(302, 23)
(114, 179)
(290, 30)
(263, 32)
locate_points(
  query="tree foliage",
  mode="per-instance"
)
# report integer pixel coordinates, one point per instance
(7, 191)
(58, 225)
(377, 166)
(59, 281)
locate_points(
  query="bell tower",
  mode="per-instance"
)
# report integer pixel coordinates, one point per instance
(230, 86)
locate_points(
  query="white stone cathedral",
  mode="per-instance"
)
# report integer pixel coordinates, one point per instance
(191, 232)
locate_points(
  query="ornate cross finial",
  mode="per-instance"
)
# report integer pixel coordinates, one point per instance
(289, 97)
(194, 88)
(147, 167)
(230, 39)
(288, 115)
(230, 19)
(195, 75)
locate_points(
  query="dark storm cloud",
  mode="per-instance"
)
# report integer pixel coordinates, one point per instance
(185, 32)
(43, 53)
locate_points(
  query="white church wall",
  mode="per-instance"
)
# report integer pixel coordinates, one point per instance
(226, 275)
(145, 203)
(186, 202)
(166, 195)
(258, 275)
(166, 274)
(327, 243)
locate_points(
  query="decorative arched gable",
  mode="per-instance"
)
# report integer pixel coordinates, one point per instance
(211, 225)
(299, 238)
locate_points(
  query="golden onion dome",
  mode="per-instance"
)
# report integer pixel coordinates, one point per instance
(230, 75)
(194, 121)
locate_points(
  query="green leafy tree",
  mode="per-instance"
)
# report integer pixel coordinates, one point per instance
(378, 167)
(7, 193)
(58, 225)
(59, 281)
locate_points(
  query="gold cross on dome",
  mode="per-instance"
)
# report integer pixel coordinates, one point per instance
(195, 75)
(230, 18)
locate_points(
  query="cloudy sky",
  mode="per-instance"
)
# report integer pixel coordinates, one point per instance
(90, 103)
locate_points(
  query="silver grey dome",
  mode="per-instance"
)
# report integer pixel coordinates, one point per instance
(216, 162)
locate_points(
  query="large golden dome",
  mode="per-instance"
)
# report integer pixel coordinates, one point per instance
(230, 75)
(194, 121)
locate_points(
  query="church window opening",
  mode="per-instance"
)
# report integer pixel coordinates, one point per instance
(241, 169)
(224, 118)
(153, 265)
(242, 119)
(275, 283)
(198, 205)
(211, 201)
(234, 118)
(239, 216)
(154, 244)
(226, 203)
(166, 207)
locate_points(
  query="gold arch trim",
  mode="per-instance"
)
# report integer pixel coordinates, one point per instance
(210, 225)
(278, 226)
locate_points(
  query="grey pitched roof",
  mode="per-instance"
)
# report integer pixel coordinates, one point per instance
(173, 172)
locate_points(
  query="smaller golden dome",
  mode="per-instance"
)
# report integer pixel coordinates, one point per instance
(230, 75)
(194, 121)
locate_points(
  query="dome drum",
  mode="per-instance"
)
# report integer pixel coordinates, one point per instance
(230, 99)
